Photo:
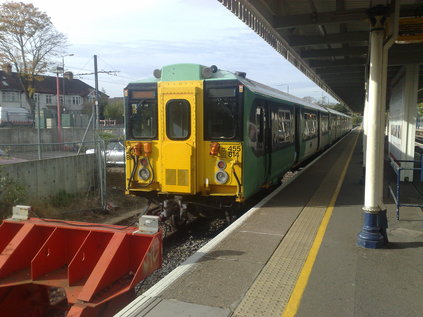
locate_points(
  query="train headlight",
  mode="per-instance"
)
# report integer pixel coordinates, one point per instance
(144, 173)
(221, 177)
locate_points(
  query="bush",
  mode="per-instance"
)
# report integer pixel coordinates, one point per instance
(356, 120)
(11, 193)
(106, 136)
(62, 199)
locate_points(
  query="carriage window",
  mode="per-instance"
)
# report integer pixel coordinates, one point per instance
(285, 127)
(324, 123)
(143, 119)
(310, 125)
(221, 115)
(178, 119)
(282, 127)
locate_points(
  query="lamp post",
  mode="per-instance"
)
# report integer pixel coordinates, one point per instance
(63, 66)
(59, 124)
(323, 96)
(287, 87)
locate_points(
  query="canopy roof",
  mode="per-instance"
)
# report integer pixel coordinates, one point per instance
(328, 40)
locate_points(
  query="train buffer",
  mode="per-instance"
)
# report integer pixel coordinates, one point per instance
(95, 267)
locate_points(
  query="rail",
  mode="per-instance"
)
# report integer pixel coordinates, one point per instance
(396, 165)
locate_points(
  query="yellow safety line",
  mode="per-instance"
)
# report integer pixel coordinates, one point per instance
(294, 301)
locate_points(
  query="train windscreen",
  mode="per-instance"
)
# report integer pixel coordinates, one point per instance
(143, 119)
(221, 114)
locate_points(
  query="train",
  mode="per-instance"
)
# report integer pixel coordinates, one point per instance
(199, 136)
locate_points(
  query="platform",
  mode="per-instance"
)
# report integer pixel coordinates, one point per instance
(295, 254)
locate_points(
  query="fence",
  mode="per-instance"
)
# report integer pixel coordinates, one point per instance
(21, 135)
(396, 165)
(29, 152)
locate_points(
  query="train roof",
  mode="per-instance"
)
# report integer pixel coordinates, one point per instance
(181, 72)
(332, 111)
(272, 92)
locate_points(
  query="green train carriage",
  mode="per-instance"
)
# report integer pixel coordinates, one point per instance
(198, 135)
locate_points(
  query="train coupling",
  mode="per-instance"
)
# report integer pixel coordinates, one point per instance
(176, 211)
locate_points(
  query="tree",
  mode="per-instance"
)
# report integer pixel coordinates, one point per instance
(28, 42)
(310, 99)
(357, 119)
(102, 103)
(339, 107)
(114, 110)
(420, 109)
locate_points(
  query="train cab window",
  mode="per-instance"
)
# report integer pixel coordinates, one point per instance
(143, 119)
(221, 114)
(178, 119)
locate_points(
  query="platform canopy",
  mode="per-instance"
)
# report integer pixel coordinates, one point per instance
(328, 40)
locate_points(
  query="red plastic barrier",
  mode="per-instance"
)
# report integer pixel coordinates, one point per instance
(96, 266)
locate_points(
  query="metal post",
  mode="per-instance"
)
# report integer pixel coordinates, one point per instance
(370, 236)
(85, 134)
(59, 124)
(64, 91)
(381, 150)
(398, 190)
(97, 116)
(381, 131)
(39, 129)
(99, 143)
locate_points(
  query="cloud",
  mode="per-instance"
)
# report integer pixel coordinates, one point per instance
(136, 37)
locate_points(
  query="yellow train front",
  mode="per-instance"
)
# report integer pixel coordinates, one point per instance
(170, 154)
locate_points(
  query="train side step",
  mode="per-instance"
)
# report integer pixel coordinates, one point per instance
(95, 267)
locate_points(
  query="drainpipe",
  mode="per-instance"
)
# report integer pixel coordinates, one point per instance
(386, 47)
(370, 235)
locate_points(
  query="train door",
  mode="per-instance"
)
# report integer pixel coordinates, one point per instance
(319, 130)
(179, 145)
(298, 132)
(264, 136)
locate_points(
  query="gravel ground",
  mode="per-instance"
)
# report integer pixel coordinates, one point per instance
(181, 245)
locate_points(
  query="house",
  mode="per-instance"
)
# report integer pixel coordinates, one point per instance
(76, 97)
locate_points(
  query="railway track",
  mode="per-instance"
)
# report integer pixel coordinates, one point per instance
(180, 245)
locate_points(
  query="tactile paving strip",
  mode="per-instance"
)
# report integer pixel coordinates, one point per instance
(272, 289)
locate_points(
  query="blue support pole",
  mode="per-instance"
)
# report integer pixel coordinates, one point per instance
(370, 236)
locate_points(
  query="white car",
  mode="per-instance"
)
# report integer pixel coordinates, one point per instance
(115, 153)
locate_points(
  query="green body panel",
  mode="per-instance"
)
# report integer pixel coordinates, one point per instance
(256, 172)
(307, 148)
(180, 72)
(324, 141)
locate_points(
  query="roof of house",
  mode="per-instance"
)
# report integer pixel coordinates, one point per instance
(46, 84)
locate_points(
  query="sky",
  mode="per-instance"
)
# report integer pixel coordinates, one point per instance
(134, 37)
